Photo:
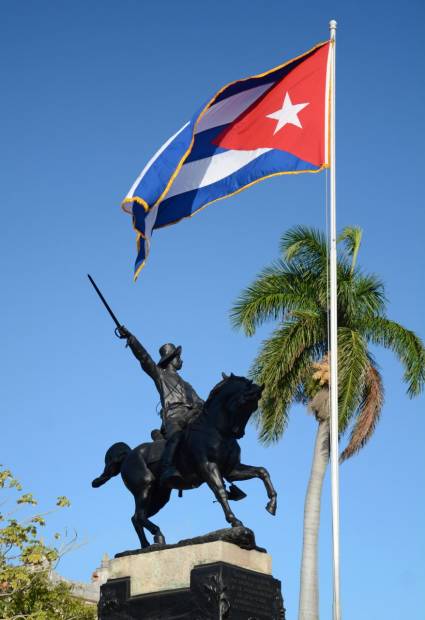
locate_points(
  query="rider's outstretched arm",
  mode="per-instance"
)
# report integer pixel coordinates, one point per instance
(140, 353)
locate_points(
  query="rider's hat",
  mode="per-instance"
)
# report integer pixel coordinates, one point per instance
(167, 352)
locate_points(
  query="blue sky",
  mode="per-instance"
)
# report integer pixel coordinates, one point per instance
(89, 91)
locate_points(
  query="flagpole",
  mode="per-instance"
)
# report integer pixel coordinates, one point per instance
(333, 342)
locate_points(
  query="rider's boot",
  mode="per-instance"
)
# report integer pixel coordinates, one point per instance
(170, 476)
(235, 493)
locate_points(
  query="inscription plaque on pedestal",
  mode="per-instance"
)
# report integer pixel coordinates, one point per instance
(238, 594)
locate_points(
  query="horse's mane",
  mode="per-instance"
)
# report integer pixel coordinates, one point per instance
(218, 387)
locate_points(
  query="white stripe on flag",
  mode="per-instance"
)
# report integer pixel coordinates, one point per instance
(227, 110)
(152, 160)
(202, 172)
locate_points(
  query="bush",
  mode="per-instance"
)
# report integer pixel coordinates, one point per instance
(27, 591)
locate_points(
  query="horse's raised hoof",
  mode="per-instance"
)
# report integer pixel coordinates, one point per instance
(159, 539)
(272, 506)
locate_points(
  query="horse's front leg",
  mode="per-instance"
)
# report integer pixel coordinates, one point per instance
(246, 472)
(212, 476)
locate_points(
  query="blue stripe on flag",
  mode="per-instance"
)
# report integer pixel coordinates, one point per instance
(183, 205)
(203, 146)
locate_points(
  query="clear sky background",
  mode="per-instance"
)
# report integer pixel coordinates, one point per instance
(90, 90)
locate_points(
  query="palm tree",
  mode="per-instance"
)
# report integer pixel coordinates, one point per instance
(293, 361)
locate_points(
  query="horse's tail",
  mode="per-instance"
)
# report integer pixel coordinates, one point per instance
(114, 459)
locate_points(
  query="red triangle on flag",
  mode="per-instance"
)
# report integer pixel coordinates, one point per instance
(290, 116)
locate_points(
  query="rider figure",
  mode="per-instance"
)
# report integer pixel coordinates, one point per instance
(179, 400)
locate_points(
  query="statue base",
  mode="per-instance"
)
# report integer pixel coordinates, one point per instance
(200, 581)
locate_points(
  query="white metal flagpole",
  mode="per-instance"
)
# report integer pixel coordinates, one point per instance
(333, 342)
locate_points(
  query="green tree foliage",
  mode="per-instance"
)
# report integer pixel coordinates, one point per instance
(294, 293)
(26, 562)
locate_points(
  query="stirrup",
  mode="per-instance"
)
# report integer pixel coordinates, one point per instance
(170, 475)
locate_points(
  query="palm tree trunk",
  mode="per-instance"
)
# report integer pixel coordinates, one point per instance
(309, 591)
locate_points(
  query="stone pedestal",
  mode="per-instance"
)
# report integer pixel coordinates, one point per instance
(206, 581)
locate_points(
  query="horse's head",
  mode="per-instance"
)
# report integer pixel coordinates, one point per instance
(231, 403)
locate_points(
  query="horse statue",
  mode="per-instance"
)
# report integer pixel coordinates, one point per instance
(208, 452)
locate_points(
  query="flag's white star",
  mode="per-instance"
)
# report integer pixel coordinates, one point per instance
(287, 114)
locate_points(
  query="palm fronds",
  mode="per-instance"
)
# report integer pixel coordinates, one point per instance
(294, 292)
(306, 247)
(278, 395)
(368, 415)
(283, 365)
(353, 363)
(352, 238)
(277, 291)
(407, 346)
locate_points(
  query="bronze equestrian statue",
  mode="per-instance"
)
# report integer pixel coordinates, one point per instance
(205, 449)
(197, 442)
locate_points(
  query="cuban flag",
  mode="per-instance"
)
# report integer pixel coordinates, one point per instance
(268, 124)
